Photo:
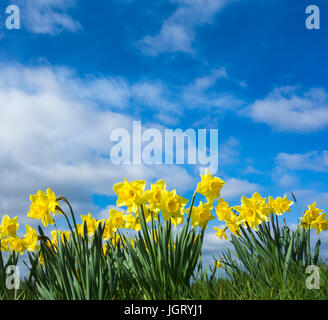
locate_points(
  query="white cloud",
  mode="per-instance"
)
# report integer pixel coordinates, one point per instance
(51, 136)
(48, 16)
(212, 242)
(178, 30)
(306, 197)
(229, 151)
(287, 180)
(235, 188)
(283, 177)
(201, 93)
(312, 160)
(285, 109)
(155, 95)
(205, 82)
(251, 170)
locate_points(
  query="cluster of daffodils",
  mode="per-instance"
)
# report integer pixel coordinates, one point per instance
(156, 202)
(10, 240)
(251, 213)
(43, 207)
(314, 218)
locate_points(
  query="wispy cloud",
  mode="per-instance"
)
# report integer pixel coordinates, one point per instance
(288, 109)
(51, 137)
(284, 178)
(202, 93)
(229, 152)
(48, 16)
(251, 170)
(312, 160)
(235, 188)
(177, 32)
(307, 196)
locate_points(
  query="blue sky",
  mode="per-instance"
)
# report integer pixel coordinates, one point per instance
(78, 69)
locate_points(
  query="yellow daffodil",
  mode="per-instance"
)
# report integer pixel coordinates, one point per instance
(223, 210)
(117, 239)
(41, 259)
(130, 194)
(310, 215)
(177, 220)
(233, 224)
(150, 214)
(108, 230)
(201, 215)
(105, 247)
(253, 210)
(210, 186)
(116, 219)
(4, 245)
(219, 264)
(314, 218)
(154, 196)
(8, 227)
(172, 205)
(30, 239)
(16, 244)
(80, 230)
(320, 224)
(132, 222)
(221, 233)
(132, 243)
(63, 235)
(91, 223)
(42, 205)
(280, 205)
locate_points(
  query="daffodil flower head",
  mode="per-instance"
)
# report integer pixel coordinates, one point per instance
(233, 224)
(280, 205)
(8, 227)
(105, 247)
(221, 233)
(210, 186)
(116, 219)
(17, 244)
(30, 238)
(154, 196)
(320, 224)
(61, 234)
(310, 215)
(118, 240)
(43, 204)
(223, 210)
(91, 224)
(177, 220)
(172, 205)
(314, 218)
(108, 230)
(219, 264)
(130, 194)
(253, 210)
(132, 222)
(4, 245)
(201, 215)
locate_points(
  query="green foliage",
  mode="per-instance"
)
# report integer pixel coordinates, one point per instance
(163, 264)
(74, 270)
(245, 287)
(159, 264)
(12, 260)
(271, 255)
